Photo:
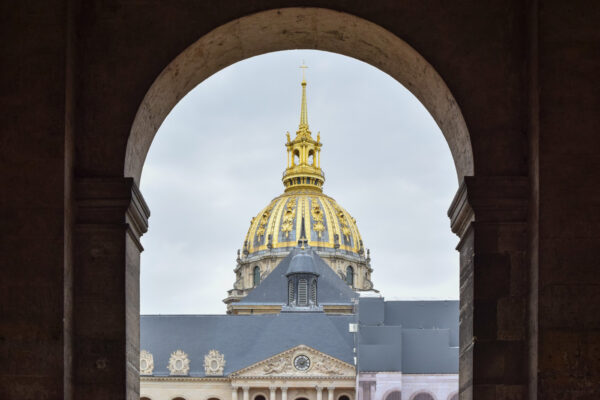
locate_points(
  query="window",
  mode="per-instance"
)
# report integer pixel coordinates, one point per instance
(395, 395)
(290, 292)
(311, 158)
(313, 292)
(350, 276)
(256, 276)
(423, 396)
(260, 397)
(302, 292)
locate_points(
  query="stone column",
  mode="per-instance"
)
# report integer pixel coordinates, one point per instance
(330, 392)
(234, 393)
(272, 393)
(489, 214)
(319, 392)
(284, 393)
(246, 392)
(111, 216)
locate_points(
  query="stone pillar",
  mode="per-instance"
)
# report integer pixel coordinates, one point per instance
(234, 393)
(489, 214)
(273, 393)
(246, 392)
(319, 392)
(111, 216)
(284, 393)
(330, 392)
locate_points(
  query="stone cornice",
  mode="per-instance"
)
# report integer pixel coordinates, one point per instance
(488, 199)
(112, 202)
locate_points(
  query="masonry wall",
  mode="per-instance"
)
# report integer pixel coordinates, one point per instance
(523, 73)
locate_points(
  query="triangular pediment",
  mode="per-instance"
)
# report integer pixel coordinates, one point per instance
(300, 361)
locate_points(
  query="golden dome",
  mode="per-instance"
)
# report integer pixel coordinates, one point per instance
(327, 225)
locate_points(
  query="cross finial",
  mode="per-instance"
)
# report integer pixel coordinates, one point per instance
(303, 67)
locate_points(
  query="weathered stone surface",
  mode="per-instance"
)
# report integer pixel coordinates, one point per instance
(520, 76)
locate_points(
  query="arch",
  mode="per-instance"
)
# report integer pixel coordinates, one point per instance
(213, 398)
(423, 395)
(298, 28)
(350, 276)
(256, 276)
(394, 394)
(344, 397)
(260, 396)
(311, 157)
(145, 398)
(178, 398)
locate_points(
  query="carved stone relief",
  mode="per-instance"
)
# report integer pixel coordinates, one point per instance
(179, 364)
(214, 363)
(146, 363)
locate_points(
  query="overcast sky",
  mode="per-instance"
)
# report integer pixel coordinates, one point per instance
(217, 161)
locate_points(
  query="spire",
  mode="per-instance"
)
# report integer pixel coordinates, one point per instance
(303, 113)
(303, 171)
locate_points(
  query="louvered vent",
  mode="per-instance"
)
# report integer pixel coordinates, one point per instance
(302, 292)
(313, 292)
(290, 292)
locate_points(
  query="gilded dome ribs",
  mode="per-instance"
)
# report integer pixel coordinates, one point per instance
(317, 216)
(288, 217)
(273, 233)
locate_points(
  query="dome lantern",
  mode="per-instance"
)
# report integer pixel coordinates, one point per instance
(303, 154)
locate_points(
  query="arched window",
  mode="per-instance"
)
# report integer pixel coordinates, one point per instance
(302, 292)
(313, 292)
(395, 395)
(344, 397)
(260, 397)
(311, 158)
(350, 276)
(144, 398)
(256, 276)
(423, 396)
(296, 159)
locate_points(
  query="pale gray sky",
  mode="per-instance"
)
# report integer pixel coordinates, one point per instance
(217, 161)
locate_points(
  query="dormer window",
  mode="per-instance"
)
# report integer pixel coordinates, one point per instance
(302, 278)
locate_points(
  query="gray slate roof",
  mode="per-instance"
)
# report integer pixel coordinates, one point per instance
(331, 289)
(415, 337)
(242, 339)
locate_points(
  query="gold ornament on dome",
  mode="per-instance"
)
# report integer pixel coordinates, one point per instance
(343, 222)
(317, 215)
(288, 217)
(262, 224)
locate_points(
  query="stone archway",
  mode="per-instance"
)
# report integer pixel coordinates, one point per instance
(299, 28)
(112, 214)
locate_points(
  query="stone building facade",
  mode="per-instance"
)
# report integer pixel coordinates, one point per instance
(512, 85)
